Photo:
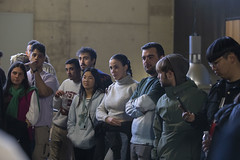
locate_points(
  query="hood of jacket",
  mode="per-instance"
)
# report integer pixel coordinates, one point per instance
(175, 91)
(180, 67)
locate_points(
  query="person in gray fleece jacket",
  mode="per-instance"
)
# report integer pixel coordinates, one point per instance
(82, 114)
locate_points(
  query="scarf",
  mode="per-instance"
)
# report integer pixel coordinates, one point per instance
(12, 108)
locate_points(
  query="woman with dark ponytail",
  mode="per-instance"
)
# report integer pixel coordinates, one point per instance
(111, 111)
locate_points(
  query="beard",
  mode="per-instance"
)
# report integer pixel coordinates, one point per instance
(151, 71)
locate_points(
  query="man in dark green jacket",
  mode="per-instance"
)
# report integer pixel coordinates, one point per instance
(176, 139)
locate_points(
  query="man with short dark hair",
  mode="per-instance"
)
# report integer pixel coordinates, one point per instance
(47, 67)
(223, 56)
(87, 58)
(60, 146)
(141, 105)
(29, 46)
(47, 85)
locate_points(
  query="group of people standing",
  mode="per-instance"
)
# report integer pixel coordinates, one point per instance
(27, 103)
(162, 117)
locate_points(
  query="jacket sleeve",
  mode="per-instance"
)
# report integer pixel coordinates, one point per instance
(201, 121)
(71, 123)
(156, 92)
(201, 118)
(139, 106)
(57, 102)
(157, 129)
(34, 109)
(234, 114)
(204, 118)
(101, 112)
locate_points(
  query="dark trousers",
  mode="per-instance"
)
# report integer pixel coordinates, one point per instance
(109, 137)
(18, 129)
(84, 154)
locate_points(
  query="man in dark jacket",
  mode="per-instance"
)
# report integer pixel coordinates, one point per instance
(223, 56)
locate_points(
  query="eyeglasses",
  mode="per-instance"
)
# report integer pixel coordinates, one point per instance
(215, 63)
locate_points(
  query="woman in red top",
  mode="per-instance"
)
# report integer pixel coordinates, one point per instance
(21, 107)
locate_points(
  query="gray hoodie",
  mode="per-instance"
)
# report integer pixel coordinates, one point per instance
(79, 125)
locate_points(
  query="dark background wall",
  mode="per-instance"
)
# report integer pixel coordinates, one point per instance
(210, 22)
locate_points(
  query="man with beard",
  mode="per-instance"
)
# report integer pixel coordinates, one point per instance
(87, 58)
(142, 104)
(174, 138)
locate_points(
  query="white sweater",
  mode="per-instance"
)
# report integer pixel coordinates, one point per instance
(71, 89)
(115, 99)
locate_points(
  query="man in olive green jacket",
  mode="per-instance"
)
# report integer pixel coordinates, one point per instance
(176, 139)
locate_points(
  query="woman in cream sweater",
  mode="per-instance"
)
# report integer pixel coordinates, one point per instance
(111, 111)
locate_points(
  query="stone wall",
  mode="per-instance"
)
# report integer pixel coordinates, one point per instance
(108, 26)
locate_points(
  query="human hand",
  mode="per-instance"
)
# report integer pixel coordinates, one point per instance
(206, 144)
(32, 65)
(113, 121)
(59, 93)
(189, 117)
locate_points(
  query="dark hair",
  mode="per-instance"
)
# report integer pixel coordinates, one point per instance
(9, 83)
(1, 54)
(124, 60)
(221, 47)
(92, 53)
(97, 85)
(40, 47)
(47, 59)
(32, 42)
(159, 48)
(73, 61)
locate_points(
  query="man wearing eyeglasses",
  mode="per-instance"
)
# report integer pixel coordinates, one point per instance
(223, 56)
